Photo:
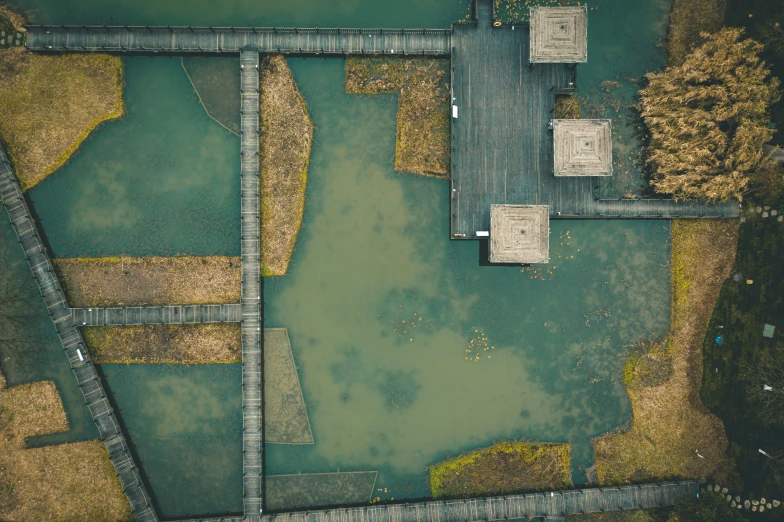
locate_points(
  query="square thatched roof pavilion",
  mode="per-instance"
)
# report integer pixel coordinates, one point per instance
(559, 35)
(582, 147)
(519, 233)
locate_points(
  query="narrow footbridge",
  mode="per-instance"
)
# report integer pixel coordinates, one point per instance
(83, 369)
(171, 314)
(549, 506)
(149, 39)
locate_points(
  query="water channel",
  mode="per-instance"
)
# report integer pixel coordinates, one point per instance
(388, 319)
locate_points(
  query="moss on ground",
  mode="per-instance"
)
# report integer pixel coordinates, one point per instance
(670, 426)
(506, 467)
(688, 19)
(75, 481)
(423, 126)
(567, 107)
(50, 104)
(137, 281)
(286, 139)
(158, 343)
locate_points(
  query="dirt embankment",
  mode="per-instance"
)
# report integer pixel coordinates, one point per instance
(73, 481)
(423, 130)
(138, 281)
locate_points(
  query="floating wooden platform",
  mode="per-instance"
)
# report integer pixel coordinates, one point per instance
(548, 506)
(148, 39)
(252, 425)
(82, 366)
(170, 314)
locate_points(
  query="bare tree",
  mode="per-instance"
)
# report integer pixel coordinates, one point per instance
(765, 384)
(18, 318)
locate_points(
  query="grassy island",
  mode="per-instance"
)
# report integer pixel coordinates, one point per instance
(423, 139)
(138, 281)
(286, 139)
(672, 434)
(507, 467)
(165, 343)
(50, 104)
(73, 481)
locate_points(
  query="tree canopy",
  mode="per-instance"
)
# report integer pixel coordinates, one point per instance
(711, 507)
(708, 119)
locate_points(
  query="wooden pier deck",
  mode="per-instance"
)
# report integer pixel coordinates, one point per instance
(82, 366)
(502, 150)
(149, 39)
(252, 424)
(548, 506)
(170, 314)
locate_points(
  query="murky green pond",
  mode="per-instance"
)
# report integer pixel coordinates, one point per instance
(408, 350)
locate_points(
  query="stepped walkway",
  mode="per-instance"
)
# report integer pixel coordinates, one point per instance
(172, 314)
(149, 39)
(83, 369)
(252, 425)
(549, 506)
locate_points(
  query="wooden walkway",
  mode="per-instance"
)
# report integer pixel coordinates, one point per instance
(171, 314)
(549, 506)
(83, 369)
(147, 39)
(252, 424)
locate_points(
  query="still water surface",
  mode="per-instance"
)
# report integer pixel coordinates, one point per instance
(387, 317)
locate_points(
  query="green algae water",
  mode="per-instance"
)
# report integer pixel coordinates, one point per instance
(409, 351)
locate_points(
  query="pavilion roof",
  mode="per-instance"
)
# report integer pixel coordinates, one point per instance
(519, 233)
(559, 34)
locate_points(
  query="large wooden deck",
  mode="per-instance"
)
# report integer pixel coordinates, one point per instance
(549, 506)
(82, 366)
(147, 39)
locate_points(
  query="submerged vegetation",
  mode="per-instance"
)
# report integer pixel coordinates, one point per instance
(672, 435)
(165, 343)
(423, 129)
(708, 119)
(506, 467)
(137, 281)
(286, 139)
(73, 481)
(50, 104)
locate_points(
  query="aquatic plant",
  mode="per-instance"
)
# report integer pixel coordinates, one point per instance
(708, 119)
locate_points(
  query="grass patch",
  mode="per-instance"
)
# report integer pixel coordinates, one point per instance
(670, 425)
(65, 482)
(50, 104)
(507, 467)
(286, 139)
(636, 515)
(739, 316)
(136, 281)
(567, 107)
(688, 19)
(423, 126)
(165, 343)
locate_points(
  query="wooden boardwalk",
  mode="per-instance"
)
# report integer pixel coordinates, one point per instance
(83, 369)
(548, 506)
(502, 150)
(147, 39)
(252, 424)
(170, 314)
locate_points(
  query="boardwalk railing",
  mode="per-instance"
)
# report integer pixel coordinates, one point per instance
(550, 504)
(252, 425)
(171, 314)
(144, 39)
(83, 369)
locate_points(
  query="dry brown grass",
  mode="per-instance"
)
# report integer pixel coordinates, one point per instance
(670, 425)
(286, 139)
(507, 467)
(688, 19)
(423, 133)
(65, 482)
(158, 343)
(567, 107)
(137, 281)
(50, 104)
(16, 19)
